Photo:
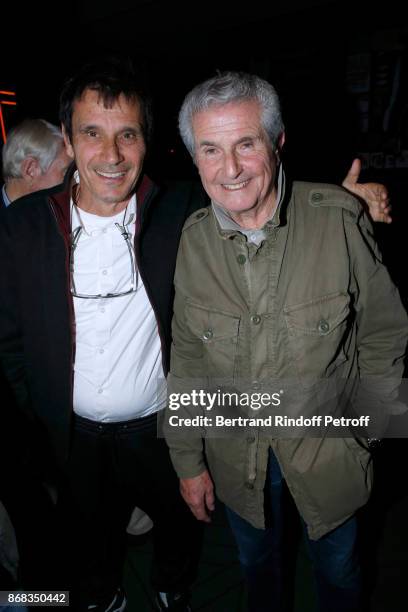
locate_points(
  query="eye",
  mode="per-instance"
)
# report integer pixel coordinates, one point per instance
(91, 133)
(248, 145)
(129, 136)
(210, 151)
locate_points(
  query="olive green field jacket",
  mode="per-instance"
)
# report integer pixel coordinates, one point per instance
(313, 302)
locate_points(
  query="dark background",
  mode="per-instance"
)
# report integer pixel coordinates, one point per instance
(340, 69)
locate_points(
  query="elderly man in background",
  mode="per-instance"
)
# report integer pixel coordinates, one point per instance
(34, 158)
(276, 282)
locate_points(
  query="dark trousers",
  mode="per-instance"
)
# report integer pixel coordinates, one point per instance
(112, 468)
(261, 554)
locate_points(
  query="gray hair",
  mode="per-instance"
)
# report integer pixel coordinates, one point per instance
(31, 138)
(231, 87)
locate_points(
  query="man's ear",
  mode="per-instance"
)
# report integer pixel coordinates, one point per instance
(281, 141)
(30, 169)
(67, 142)
(279, 146)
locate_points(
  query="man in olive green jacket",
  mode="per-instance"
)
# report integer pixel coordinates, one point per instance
(278, 283)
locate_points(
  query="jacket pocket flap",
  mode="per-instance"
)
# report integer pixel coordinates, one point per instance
(211, 325)
(319, 316)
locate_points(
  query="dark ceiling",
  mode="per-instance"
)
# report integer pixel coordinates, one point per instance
(301, 46)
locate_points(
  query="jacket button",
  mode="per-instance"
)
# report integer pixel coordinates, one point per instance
(317, 196)
(255, 385)
(200, 215)
(255, 319)
(241, 259)
(323, 326)
(251, 439)
(208, 334)
(249, 485)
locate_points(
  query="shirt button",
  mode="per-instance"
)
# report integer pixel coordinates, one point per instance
(249, 485)
(241, 259)
(104, 272)
(102, 309)
(255, 385)
(256, 319)
(323, 326)
(317, 196)
(100, 391)
(104, 230)
(208, 334)
(101, 351)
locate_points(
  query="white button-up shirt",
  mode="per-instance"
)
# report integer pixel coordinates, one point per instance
(118, 373)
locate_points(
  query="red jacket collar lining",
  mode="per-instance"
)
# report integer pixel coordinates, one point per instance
(62, 201)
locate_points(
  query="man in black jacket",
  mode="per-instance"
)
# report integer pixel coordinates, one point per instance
(85, 332)
(87, 294)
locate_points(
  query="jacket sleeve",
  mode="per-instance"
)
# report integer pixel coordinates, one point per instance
(11, 341)
(382, 329)
(186, 444)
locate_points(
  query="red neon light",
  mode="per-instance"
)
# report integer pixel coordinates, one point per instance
(8, 103)
(3, 129)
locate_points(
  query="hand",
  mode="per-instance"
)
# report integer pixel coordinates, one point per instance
(198, 493)
(374, 195)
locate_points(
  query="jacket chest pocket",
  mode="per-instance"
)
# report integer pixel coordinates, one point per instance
(317, 331)
(218, 332)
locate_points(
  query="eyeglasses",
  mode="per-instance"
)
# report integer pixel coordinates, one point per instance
(134, 275)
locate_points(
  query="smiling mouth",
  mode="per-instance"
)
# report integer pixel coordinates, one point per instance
(235, 186)
(110, 175)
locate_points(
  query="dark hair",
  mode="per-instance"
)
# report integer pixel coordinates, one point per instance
(111, 76)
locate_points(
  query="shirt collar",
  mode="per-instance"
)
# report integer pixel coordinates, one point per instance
(6, 199)
(129, 216)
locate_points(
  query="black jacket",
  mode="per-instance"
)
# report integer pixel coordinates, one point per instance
(37, 340)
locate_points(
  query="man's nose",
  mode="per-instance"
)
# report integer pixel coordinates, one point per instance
(111, 151)
(233, 166)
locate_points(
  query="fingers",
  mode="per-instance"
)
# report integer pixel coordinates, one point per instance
(382, 216)
(374, 195)
(209, 499)
(353, 174)
(196, 503)
(198, 493)
(386, 217)
(200, 512)
(379, 206)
